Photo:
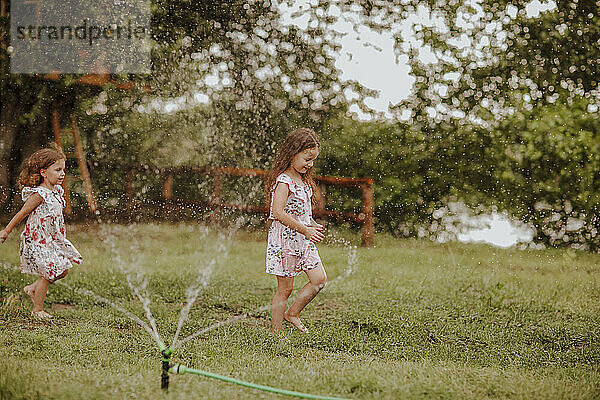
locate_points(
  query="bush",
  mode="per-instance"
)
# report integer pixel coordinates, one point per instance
(539, 165)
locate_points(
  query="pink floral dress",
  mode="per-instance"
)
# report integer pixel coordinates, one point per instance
(45, 251)
(289, 252)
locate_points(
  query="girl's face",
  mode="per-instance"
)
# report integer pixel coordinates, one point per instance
(303, 161)
(54, 174)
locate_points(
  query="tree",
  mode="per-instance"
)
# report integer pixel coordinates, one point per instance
(257, 76)
(26, 102)
(531, 81)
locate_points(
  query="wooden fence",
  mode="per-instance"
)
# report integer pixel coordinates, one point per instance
(365, 217)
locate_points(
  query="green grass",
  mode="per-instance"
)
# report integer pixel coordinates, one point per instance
(416, 320)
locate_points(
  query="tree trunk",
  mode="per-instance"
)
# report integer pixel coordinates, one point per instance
(8, 132)
(17, 141)
(30, 138)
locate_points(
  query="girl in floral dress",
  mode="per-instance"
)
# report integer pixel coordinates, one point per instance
(45, 251)
(293, 233)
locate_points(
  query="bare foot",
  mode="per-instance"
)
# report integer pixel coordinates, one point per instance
(30, 290)
(41, 314)
(296, 322)
(281, 336)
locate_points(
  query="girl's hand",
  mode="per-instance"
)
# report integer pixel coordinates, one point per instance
(316, 224)
(3, 235)
(314, 233)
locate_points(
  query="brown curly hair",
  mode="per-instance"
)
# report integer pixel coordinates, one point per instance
(30, 174)
(296, 142)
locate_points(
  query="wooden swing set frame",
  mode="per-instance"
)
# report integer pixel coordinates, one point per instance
(216, 202)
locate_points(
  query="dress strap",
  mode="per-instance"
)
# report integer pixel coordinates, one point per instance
(59, 189)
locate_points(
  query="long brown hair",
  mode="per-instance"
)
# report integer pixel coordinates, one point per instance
(41, 159)
(296, 142)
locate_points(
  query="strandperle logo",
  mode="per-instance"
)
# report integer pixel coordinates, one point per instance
(84, 31)
(80, 36)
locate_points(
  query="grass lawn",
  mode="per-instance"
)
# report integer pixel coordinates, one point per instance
(415, 320)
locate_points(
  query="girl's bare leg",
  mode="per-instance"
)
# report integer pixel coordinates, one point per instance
(316, 281)
(30, 289)
(285, 285)
(41, 288)
(37, 291)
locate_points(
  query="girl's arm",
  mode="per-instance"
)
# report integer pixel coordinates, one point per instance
(280, 196)
(30, 204)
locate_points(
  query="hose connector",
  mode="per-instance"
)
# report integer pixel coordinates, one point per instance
(178, 369)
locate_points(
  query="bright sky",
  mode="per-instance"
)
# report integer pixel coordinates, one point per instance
(369, 58)
(375, 68)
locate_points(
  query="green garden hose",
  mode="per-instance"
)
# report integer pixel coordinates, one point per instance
(181, 369)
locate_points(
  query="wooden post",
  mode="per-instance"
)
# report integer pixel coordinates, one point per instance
(58, 140)
(368, 230)
(217, 195)
(83, 170)
(267, 195)
(56, 128)
(319, 198)
(167, 189)
(167, 192)
(129, 201)
(217, 188)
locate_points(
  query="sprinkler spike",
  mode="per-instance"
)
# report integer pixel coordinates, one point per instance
(164, 377)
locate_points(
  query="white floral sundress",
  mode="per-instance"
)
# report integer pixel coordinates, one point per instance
(289, 252)
(45, 251)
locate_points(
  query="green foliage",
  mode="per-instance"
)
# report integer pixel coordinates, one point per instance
(549, 171)
(473, 61)
(503, 112)
(414, 172)
(540, 166)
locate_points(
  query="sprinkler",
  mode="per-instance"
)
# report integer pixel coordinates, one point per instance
(164, 377)
(179, 369)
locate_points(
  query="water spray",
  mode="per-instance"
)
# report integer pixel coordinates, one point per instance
(166, 353)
